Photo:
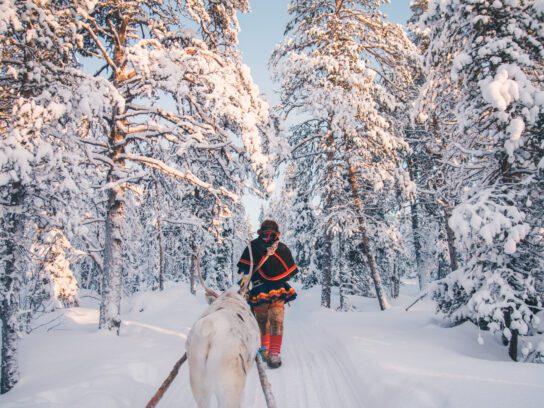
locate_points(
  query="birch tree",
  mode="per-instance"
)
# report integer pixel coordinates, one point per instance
(149, 57)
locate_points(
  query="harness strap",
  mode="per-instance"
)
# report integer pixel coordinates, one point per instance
(247, 278)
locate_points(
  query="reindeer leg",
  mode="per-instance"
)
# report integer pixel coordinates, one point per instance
(230, 389)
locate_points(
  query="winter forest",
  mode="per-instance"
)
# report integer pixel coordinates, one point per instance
(394, 158)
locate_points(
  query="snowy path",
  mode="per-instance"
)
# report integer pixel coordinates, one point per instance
(323, 367)
(316, 371)
(313, 362)
(365, 359)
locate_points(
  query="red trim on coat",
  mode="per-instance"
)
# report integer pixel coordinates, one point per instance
(275, 278)
(281, 260)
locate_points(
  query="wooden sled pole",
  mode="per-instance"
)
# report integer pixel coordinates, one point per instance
(162, 389)
(417, 300)
(265, 384)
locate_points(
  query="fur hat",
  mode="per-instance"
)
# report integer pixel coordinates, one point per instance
(268, 225)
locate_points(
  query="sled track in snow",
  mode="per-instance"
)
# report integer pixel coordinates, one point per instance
(313, 359)
(317, 373)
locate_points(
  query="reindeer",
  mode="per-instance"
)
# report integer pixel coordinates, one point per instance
(221, 348)
(222, 345)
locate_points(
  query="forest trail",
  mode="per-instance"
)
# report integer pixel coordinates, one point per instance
(325, 364)
(361, 359)
(372, 359)
(316, 371)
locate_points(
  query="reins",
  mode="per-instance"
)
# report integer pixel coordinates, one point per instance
(244, 285)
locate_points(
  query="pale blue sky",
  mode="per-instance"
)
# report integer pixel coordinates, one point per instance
(261, 30)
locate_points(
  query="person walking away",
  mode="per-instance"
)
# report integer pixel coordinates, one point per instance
(269, 288)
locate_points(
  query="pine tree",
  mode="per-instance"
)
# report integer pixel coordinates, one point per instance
(212, 96)
(70, 137)
(423, 162)
(499, 138)
(333, 69)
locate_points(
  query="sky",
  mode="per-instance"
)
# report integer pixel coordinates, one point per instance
(260, 31)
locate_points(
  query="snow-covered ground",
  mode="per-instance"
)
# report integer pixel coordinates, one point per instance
(358, 359)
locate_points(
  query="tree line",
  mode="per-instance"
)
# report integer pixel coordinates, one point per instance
(130, 130)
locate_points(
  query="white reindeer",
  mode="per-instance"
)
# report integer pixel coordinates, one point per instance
(221, 348)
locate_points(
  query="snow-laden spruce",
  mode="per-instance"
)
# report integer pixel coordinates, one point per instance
(496, 66)
(40, 157)
(427, 211)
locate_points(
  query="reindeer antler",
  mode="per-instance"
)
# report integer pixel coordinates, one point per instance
(208, 291)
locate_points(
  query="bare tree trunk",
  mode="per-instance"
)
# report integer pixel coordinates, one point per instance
(365, 245)
(192, 269)
(232, 260)
(159, 235)
(326, 273)
(422, 273)
(451, 241)
(395, 282)
(345, 278)
(110, 305)
(10, 286)
(513, 340)
(161, 253)
(513, 346)
(10, 339)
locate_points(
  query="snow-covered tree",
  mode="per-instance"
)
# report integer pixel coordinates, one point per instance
(434, 162)
(150, 58)
(332, 68)
(427, 217)
(39, 147)
(55, 254)
(162, 99)
(500, 113)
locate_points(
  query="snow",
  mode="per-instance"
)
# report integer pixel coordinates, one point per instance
(539, 6)
(459, 62)
(357, 359)
(8, 15)
(500, 91)
(515, 128)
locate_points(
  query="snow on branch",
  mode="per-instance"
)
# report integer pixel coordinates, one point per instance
(183, 175)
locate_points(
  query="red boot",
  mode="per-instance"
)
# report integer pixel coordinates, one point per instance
(265, 346)
(274, 359)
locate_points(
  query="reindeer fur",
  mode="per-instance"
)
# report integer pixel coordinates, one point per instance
(221, 348)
